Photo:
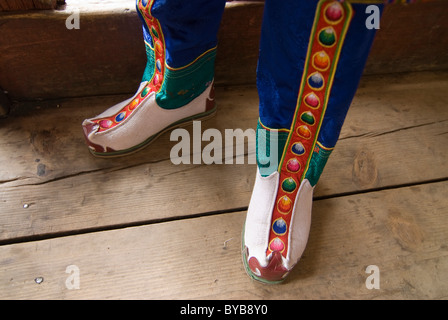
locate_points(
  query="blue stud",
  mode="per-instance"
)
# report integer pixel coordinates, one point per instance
(316, 81)
(298, 148)
(279, 226)
(120, 116)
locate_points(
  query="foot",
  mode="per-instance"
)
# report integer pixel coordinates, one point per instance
(271, 248)
(167, 97)
(133, 124)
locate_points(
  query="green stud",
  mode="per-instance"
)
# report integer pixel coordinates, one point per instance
(144, 92)
(289, 185)
(327, 36)
(308, 118)
(154, 32)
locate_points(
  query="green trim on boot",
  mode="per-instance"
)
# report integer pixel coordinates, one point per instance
(317, 163)
(267, 138)
(182, 85)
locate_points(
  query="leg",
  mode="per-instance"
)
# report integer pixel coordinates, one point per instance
(177, 83)
(312, 54)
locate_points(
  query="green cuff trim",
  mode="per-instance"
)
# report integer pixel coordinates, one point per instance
(317, 163)
(182, 85)
(267, 161)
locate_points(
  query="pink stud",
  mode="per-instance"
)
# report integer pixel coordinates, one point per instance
(293, 165)
(105, 123)
(156, 79)
(312, 100)
(334, 12)
(276, 245)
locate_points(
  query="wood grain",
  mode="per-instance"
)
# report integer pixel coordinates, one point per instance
(41, 59)
(48, 167)
(140, 227)
(14, 5)
(402, 231)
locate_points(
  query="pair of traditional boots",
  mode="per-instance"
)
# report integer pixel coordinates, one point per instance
(311, 58)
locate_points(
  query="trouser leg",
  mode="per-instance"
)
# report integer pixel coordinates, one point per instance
(312, 54)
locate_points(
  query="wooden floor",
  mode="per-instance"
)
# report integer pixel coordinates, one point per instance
(141, 227)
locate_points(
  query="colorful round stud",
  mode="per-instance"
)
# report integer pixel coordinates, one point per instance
(144, 92)
(133, 104)
(289, 185)
(159, 65)
(334, 12)
(321, 61)
(311, 100)
(316, 81)
(293, 165)
(156, 79)
(154, 32)
(298, 148)
(284, 204)
(277, 245)
(105, 123)
(304, 132)
(159, 47)
(120, 117)
(308, 118)
(279, 227)
(327, 37)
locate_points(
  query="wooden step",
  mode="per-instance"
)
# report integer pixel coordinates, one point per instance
(41, 59)
(14, 5)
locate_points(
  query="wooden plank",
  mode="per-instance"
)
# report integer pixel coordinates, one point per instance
(402, 231)
(42, 59)
(67, 190)
(402, 47)
(14, 5)
(385, 103)
(80, 60)
(38, 46)
(149, 192)
(49, 132)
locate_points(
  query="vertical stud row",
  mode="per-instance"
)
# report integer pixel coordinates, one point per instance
(328, 32)
(154, 85)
